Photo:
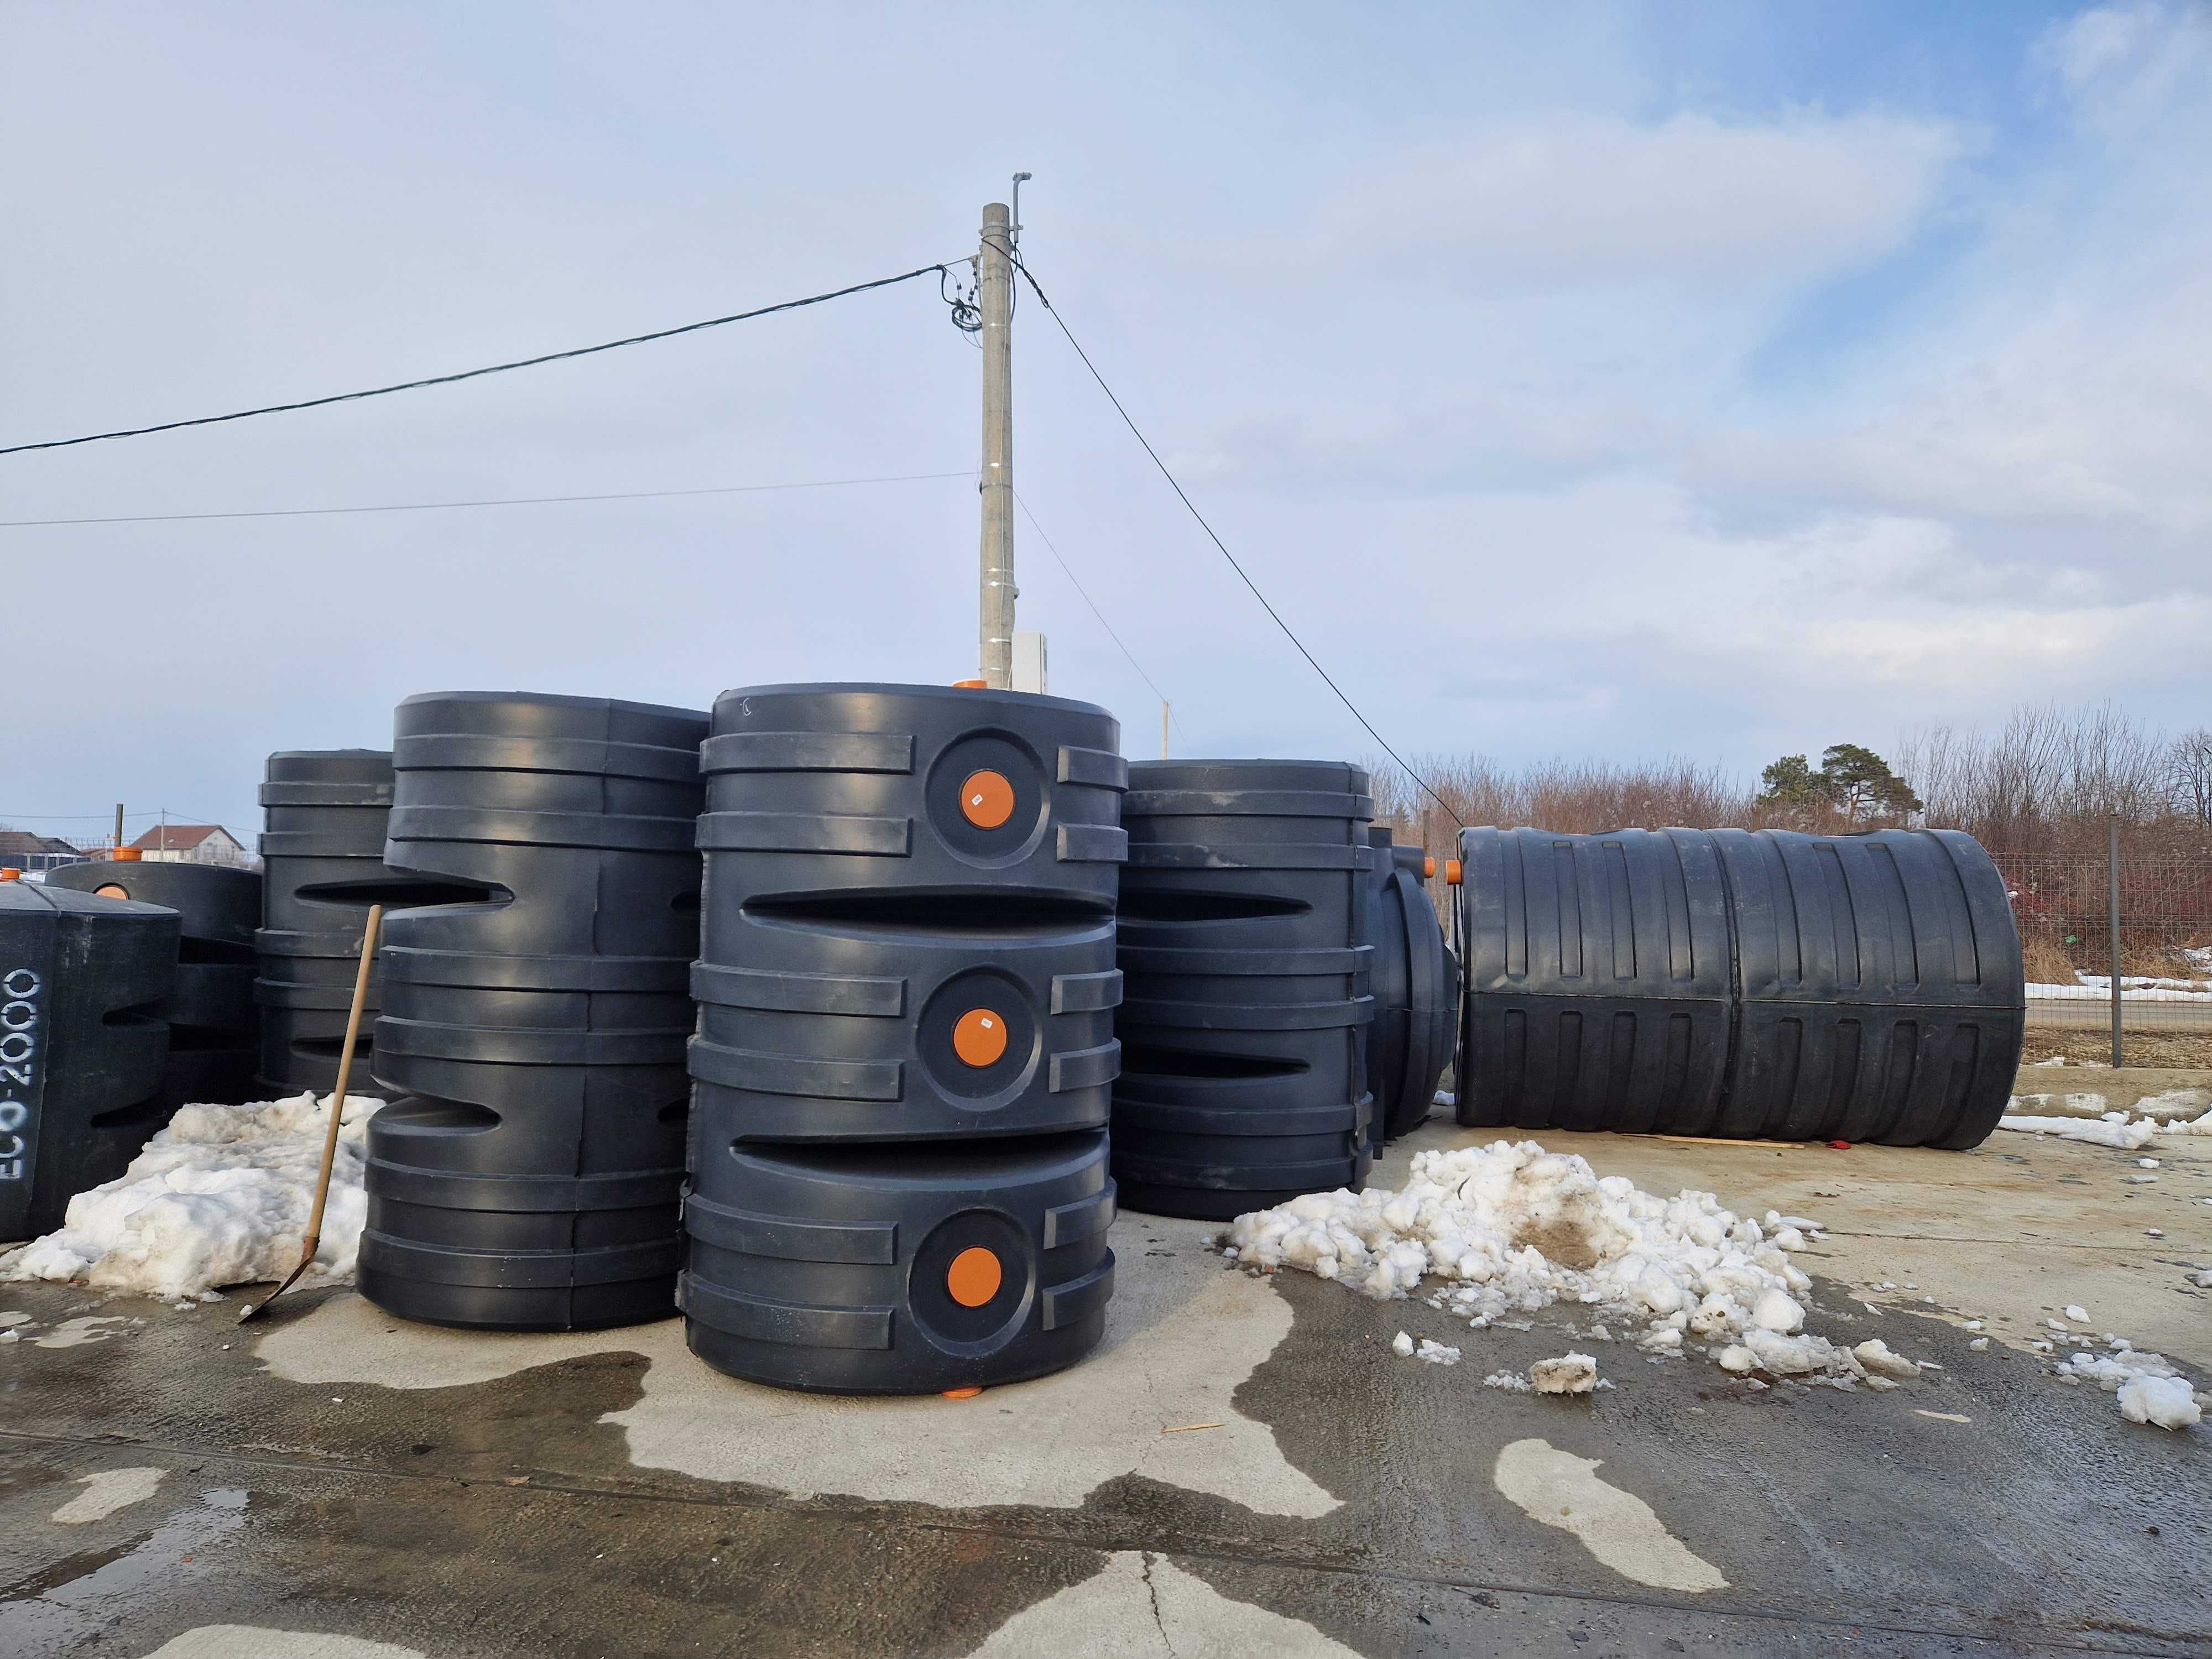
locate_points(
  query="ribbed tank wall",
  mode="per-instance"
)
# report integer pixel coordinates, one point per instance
(1881, 987)
(324, 815)
(83, 1053)
(1243, 918)
(900, 1269)
(1415, 983)
(1756, 984)
(905, 1047)
(1597, 979)
(213, 1024)
(535, 1025)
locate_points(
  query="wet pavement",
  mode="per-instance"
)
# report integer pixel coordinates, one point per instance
(1244, 1468)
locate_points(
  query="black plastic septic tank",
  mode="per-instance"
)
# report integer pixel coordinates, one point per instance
(1415, 984)
(1245, 961)
(82, 1052)
(529, 1177)
(1598, 992)
(1882, 990)
(880, 1269)
(213, 1020)
(909, 927)
(322, 856)
(1755, 984)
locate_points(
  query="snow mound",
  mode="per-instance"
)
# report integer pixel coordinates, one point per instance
(1570, 1373)
(2110, 1128)
(2151, 1390)
(1511, 1228)
(219, 1197)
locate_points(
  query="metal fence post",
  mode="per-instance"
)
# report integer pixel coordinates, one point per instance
(2113, 904)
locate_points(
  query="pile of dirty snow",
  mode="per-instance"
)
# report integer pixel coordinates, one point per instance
(1511, 1228)
(219, 1197)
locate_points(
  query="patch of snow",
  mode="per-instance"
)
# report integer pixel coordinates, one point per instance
(1402, 1346)
(2098, 1132)
(1875, 1354)
(1980, 1345)
(219, 1197)
(2150, 1389)
(1511, 1382)
(1437, 1354)
(1509, 1228)
(2077, 1313)
(1570, 1373)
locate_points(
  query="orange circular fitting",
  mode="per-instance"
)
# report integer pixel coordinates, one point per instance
(968, 1393)
(110, 891)
(1428, 866)
(987, 799)
(979, 1036)
(128, 854)
(1452, 872)
(971, 686)
(11, 873)
(973, 1277)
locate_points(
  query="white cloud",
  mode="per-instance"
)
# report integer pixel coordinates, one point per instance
(1579, 199)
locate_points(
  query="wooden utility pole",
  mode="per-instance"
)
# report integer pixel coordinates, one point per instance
(994, 282)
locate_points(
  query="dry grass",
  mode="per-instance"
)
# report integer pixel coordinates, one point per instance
(2180, 1050)
(2047, 962)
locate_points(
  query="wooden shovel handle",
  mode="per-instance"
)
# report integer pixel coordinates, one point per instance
(314, 1238)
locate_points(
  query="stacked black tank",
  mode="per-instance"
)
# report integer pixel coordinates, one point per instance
(322, 856)
(530, 1177)
(1738, 983)
(1243, 917)
(1415, 985)
(214, 1024)
(81, 1050)
(905, 1054)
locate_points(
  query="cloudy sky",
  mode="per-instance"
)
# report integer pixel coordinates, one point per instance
(1615, 380)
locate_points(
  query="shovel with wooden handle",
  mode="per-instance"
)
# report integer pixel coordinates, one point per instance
(313, 1241)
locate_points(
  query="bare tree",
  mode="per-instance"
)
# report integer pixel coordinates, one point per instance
(2189, 767)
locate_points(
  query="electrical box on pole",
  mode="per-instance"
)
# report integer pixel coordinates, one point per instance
(1029, 662)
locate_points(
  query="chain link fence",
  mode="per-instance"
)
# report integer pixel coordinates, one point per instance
(2161, 949)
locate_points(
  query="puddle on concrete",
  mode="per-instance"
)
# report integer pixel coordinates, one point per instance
(78, 1596)
(1141, 1605)
(76, 1333)
(1181, 1337)
(250, 1642)
(1619, 1528)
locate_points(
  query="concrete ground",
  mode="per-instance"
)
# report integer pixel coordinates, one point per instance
(1244, 1468)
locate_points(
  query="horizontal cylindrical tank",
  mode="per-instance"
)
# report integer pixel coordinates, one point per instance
(1246, 965)
(1757, 984)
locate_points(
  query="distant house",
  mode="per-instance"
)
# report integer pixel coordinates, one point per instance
(20, 850)
(190, 843)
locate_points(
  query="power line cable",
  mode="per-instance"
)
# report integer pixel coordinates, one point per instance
(1273, 613)
(508, 501)
(941, 269)
(1097, 612)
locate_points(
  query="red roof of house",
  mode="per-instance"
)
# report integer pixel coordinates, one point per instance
(177, 837)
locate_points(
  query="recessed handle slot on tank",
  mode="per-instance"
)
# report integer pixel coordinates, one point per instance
(1141, 905)
(152, 1110)
(1157, 1061)
(205, 1039)
(398, 894)
(213, 951)
(907, 915)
